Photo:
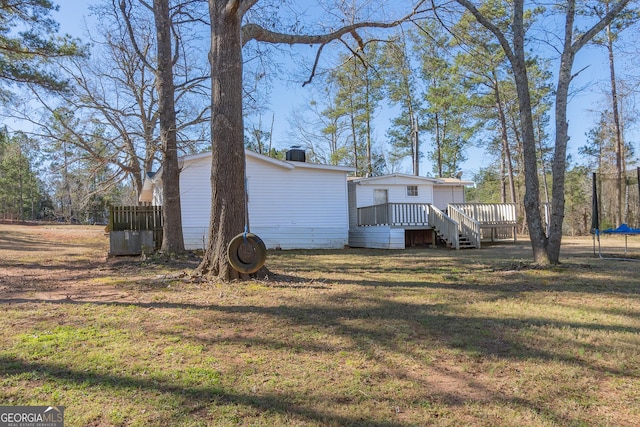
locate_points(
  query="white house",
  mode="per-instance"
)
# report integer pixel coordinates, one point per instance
(393, 211)
(292, 204)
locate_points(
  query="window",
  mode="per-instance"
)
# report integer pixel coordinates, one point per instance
(412, 190)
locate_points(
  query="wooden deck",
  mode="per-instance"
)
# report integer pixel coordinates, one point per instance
(470, 222)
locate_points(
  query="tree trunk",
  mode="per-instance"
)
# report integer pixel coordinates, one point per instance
(172, 240)
(543, 166)
(545, 250)
(562, 137)
(354, 138)
(532, 186)
(228, 160)
(504, 138)
(415, 143)
(228, 209)
(620, 157)
(520, 162)
(438, 145)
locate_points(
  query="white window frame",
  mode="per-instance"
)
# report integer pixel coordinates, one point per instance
(412, 189)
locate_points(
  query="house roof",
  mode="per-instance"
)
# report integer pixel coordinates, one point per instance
(152, 178)
(394, 178)
(404, 179)
(287, 164)
(455, 181)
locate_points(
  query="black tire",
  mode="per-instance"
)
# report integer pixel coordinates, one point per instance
(234, 257)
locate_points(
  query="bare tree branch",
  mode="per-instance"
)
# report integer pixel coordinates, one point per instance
(256, 32)
(130, 31)
(245, 5)
(315, 65)
(599, 26)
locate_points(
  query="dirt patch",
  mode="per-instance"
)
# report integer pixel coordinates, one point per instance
(59, 262)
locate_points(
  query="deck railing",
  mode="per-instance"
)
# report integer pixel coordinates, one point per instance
(447, 227)
(395, 214)
(489, 213)
(468, 219)
(411, 214)
(466, 225)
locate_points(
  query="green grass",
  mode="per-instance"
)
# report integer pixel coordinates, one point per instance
(353, 337)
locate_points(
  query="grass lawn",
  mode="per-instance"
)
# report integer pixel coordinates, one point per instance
(351, 337)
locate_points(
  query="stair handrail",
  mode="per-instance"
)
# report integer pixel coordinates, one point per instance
(447, 227)
(466, 225)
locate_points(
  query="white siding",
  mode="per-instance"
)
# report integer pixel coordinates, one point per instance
(289, 208)
(380, 237)
(195, 199)
(430, 190)
(445, 194)
(397, 193)
(384, 237)
(297, 208)
(157, 194)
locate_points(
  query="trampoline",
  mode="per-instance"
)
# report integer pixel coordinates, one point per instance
(622, 230)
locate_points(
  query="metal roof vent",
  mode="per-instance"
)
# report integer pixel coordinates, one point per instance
(296, 154)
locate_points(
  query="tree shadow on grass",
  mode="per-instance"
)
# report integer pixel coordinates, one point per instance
(512, 287)
(197, 397)
(369, 324)
(496, 339)
(491, 337)
(32, 243)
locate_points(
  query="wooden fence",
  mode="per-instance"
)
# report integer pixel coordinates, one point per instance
(137, 218)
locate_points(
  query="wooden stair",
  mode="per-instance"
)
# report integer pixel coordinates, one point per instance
(463, 240)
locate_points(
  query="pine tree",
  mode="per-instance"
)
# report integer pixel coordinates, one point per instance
(27, 46)
(357, 98)
(402, 89)
(20, 189)
(448, 107)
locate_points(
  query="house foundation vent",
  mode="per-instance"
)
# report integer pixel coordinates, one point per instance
(296, 154)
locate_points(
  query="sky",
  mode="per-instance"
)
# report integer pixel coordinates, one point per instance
(287, 96)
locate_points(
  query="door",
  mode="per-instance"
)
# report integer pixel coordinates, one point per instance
(380, 197)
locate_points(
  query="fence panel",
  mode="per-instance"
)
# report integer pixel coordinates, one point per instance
(137, 218)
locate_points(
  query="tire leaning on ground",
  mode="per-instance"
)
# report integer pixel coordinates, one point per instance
(256, 244)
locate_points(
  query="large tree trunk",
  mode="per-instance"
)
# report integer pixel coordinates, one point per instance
(562, 137)
(172, 240)
(228, 159)
(532, 185)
